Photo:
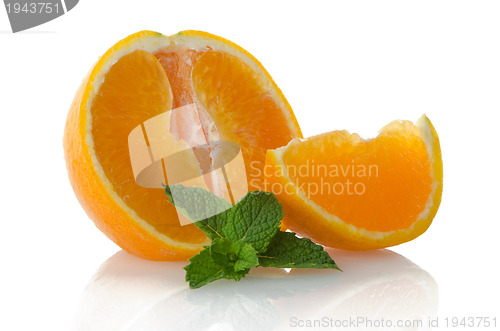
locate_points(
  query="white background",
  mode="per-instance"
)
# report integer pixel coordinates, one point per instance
(353, 65)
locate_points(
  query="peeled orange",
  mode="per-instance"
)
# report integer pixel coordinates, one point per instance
(147, 74)
(346, 192)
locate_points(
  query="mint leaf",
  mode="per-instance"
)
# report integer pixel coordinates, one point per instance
(255, 219)
(286, 250)
(233, 256)
(224, 251)
(196, 203)
(202, 269)
(223, 259)
(247, 258)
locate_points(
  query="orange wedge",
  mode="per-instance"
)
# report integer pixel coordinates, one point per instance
(346, 192)
(147, 74)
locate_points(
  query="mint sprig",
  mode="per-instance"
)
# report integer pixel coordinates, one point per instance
(243, 236)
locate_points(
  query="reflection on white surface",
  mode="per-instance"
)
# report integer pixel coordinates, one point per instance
(128, 293)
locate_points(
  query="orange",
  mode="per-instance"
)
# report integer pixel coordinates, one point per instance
(346, 192)
(147, 74)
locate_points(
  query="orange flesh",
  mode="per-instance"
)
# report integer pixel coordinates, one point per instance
(386, 178)
(134, 90)
(241, 108)
(141, 85)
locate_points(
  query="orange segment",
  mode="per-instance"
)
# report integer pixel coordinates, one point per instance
(135, 89)
(145, 75)
(346, 192)
(361, 181)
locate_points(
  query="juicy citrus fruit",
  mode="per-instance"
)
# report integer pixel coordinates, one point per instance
(346, 192)
(147, 74)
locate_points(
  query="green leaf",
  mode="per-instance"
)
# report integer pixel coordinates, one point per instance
(196, 203)
(255, 220)
(286, 250)
(224, 246)
(247, 258)
(235, 275)
(233, 256)
(202, 269)
(225, 253)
